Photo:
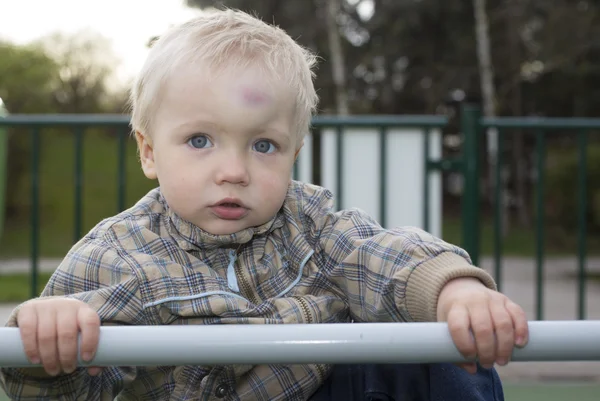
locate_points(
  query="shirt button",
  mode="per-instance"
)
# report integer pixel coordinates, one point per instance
(221, 391)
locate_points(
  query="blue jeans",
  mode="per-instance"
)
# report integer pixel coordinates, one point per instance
(418, 382)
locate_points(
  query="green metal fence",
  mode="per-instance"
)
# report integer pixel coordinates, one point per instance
(468, 164)
(79, 124)
(540, 127)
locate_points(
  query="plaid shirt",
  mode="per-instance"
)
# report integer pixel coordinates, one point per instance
(309, 264)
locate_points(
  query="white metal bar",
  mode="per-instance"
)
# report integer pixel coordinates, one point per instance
(316, 343)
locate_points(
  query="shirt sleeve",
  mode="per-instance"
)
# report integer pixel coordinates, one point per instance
(390, 274)
(95, 273)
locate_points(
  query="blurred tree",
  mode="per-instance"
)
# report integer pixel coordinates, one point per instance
(87, 68)
(406, 57)
(337, 57)
(28, 81)
(392, 65)
(56, 74)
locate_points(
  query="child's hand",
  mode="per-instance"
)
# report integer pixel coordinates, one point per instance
(49, 329)
(483, 323)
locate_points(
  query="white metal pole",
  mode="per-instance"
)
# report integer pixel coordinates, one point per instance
(313, 343)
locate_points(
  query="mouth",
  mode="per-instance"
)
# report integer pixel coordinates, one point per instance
(230, 209)
(231, 203)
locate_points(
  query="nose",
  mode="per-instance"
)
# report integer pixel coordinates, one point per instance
(232, 169)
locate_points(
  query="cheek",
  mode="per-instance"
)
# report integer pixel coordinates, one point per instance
(173, 175)
(273, 184)
(179, 192)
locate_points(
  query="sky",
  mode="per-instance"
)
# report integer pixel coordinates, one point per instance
(128, 24)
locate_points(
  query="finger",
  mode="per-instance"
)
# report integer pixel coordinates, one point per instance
(89, 323)
(458, 325)
(505, 336)
(27, 320)
(483, 331)
(67, 332)
(520, 324)
(47, 341)
(94, 370)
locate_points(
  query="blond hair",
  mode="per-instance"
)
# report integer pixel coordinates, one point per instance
(222, 39)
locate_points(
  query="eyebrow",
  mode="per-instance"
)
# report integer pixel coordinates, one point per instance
(279, 135)
(188, 125)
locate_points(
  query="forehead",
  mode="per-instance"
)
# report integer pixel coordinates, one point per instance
(253, 85)
(254, 96)
(248, 85)
(240, 92)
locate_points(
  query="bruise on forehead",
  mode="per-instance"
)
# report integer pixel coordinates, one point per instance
(254, 97)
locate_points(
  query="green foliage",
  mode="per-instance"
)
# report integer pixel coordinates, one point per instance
(57, 74)
(85, 66)
(409, 56)
(28, 79)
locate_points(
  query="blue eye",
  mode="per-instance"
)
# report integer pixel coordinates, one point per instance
(264, 146)
(199, 142)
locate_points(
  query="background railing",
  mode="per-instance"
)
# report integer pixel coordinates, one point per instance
(540, 128)
(333, 130)
(79, 125)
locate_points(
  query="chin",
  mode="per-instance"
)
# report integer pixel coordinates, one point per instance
(225, 227)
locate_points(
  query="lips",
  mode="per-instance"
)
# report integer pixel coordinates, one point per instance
(229, 209)
(230, 202)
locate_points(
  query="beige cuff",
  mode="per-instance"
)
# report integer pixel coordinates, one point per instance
(427, 280)
(12, 319)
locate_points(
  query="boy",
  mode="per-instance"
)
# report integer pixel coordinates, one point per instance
(219, 112)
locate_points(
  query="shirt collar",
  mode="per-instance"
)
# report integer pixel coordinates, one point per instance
(192, 237)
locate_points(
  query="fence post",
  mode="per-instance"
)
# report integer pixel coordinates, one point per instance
(470, 127)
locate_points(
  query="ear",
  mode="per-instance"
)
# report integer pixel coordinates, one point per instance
(298, 150)
(146, 152)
